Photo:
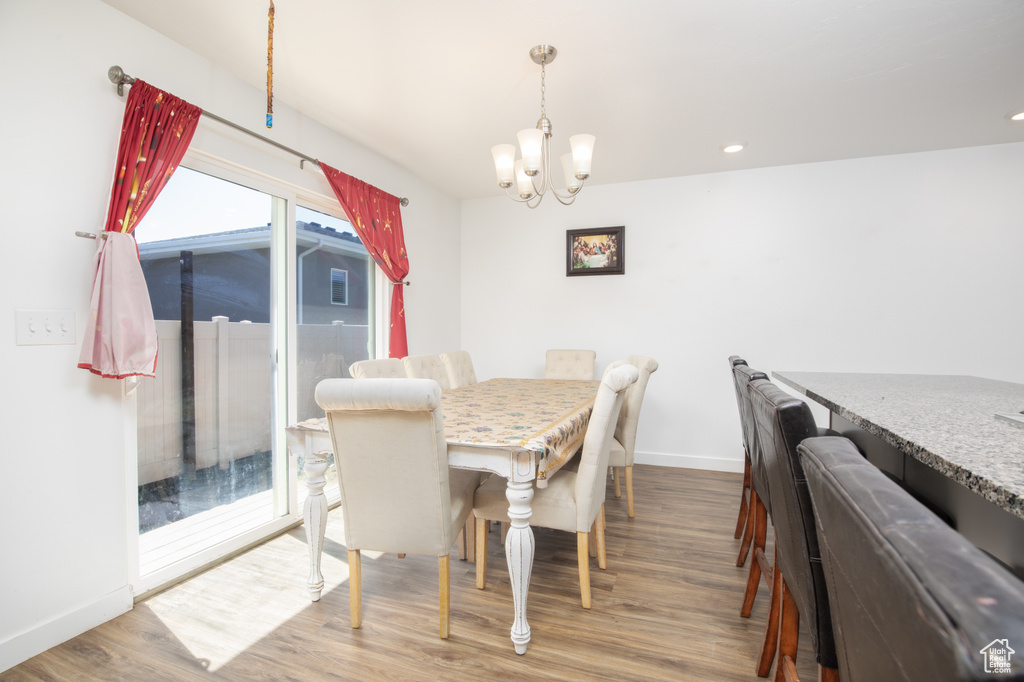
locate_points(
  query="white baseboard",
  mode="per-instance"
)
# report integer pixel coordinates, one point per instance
(689, 462)
(25, 645)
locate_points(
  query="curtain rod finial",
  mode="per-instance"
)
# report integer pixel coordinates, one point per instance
(404, 201)
(118, 77)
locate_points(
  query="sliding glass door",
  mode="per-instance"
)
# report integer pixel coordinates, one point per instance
(207, 456)
(258, 295)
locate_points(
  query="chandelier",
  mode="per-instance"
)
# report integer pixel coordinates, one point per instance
(532, 173)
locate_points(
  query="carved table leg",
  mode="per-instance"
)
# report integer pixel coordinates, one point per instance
(315, 518)
(519, 550)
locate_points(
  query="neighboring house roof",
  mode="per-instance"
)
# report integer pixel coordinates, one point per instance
(253, 238)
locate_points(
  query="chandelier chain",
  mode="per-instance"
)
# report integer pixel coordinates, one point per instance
(543, 90)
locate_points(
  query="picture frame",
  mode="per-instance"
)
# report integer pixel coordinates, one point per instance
(595, 251)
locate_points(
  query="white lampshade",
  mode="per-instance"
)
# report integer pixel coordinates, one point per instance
(531, 142)
(582, 154)
(523, 181)
(572, 183)
(504, 163)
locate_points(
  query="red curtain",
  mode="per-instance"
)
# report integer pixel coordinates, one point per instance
(377, 219)
(156, 131)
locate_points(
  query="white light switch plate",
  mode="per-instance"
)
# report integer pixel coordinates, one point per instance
(44, 327)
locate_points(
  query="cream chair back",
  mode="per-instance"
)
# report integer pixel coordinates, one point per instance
(427, 367)
(592, 474)
(459, 366)
(569, 364)
(392, 461)
(381, 368)
(625, 430)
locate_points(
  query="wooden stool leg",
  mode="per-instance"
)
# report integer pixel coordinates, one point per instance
(741, 520)
(748, 529)
(771, 628)
(444, 569)
(583, 558)
(629, 492)
(759, 533)
(482, 527)
(355, 588)
(789, 635)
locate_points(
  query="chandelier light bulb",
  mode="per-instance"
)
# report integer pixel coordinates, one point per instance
(572, 183)
(523, 181)
(582, 154)
(531, 144)
(504, 163)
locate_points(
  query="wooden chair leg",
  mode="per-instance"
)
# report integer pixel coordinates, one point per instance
(470, 532)
(748, 529)
(504, 531)
(602, 558)
(462, 542)
(629, 492)
(771, 628)
(444, 570)
(741, 519)
(482, 527)
(789, 635)
(615, 477)
(583, 557)
(355, 588)
(759, 536)
(592, 540)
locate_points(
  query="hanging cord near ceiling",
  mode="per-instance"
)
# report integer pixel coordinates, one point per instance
(119, 78)
(270, 66)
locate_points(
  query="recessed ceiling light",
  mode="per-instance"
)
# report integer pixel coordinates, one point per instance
(733, 147)
(1019, 116)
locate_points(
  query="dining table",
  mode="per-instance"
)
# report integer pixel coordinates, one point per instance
(523, 430)
(956, 442)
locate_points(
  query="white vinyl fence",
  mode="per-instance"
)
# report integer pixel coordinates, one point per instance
(232, 390)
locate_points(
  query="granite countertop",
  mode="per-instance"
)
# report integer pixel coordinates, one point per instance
(947, 422)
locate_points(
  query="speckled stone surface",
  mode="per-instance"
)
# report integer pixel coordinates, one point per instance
(946, 422)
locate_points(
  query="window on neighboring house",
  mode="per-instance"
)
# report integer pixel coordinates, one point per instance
(339, 287)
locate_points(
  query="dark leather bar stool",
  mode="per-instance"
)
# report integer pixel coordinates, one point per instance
(911, 599)
(798, 585)
(759, 511)
(741, 518)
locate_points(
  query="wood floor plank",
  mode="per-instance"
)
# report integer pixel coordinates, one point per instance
(666, 608)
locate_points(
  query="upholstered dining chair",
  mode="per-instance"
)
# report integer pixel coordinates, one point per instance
(573, 501)
(427, 367)
(798, 581)
(459, 366)
(403, 499)
(381, 368)
(911, 598)
(620, 457)
(569, 364)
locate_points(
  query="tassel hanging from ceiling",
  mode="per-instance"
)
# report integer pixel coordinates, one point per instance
(270, 66)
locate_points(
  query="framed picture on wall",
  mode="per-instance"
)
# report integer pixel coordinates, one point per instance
(595, 251)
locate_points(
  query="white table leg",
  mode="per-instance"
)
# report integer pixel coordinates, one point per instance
(519, 550)
(315, 517)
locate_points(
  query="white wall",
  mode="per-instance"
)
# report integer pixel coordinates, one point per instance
(64, 549)
(906, 263)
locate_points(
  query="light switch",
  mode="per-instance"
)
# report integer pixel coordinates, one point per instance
(44, 327)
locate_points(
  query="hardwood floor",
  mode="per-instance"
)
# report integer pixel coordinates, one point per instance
(667, 608)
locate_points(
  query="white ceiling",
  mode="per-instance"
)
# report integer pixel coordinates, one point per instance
(663, 84)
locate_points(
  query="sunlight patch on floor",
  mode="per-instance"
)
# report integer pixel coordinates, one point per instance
(229, 620)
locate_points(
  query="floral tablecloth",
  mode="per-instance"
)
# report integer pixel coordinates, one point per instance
(547, 416)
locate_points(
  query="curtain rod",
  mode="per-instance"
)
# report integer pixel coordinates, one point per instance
(119, 78)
